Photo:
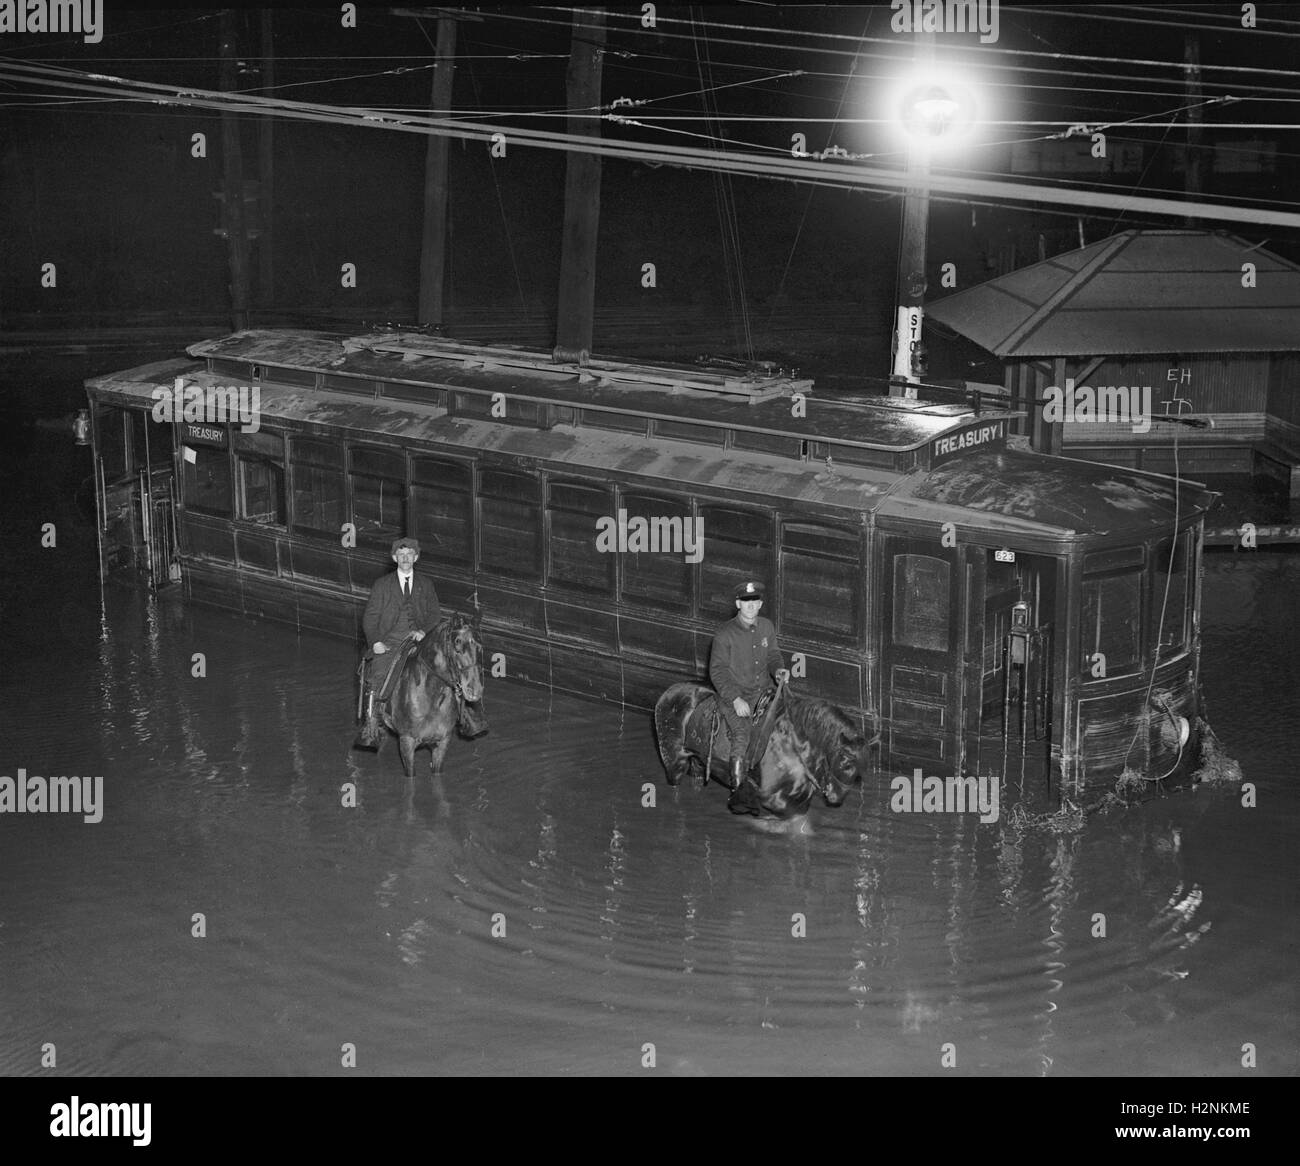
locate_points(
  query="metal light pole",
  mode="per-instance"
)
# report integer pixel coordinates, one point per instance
(910, 296)
(932, 112)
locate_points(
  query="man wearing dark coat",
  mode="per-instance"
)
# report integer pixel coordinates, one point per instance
(401, 604)
(743, 656)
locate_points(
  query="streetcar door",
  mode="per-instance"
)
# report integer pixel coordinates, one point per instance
(921, 656)
(1011, 663)
(133, 472)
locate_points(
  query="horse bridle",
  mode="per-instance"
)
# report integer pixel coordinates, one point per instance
(455, 685)
(818, 785)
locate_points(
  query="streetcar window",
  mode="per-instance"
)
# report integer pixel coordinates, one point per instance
(1173, 631)
(689, 431)
(819, 582)
(259, 463)
(854, 455)
(110, 434)
(922, 603)
(777, 443)
(487, 406)
(317, 468)
(510, 523)
(660, 576)
(378, 494)
(737, 548)
(1112, 616)
(622, 422)
(576, 562)
(153, 447)
(206, 479)
(442, 508)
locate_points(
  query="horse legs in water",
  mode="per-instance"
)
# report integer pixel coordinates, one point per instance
(437, 751)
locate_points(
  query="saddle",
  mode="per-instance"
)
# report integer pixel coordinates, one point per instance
(762, 718)
(396, 659)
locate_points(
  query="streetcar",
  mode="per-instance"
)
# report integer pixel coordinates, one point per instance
(979, 607)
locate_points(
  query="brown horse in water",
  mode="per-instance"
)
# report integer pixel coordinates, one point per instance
(440, 688)
(813, 748)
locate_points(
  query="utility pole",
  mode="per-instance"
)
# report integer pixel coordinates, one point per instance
(910, 296)
(577, 298)
(265, 160)
(1195, 155)
(433, 249)
(232, 177)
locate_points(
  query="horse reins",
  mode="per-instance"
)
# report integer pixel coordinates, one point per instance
(454, 685)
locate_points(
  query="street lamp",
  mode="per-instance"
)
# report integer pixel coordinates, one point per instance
(935, 113)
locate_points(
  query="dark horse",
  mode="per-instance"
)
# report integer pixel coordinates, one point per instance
(440, 688)
(813, 748)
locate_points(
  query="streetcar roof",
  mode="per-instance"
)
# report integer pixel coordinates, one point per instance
(998, 494)
(1017, 492)
(658, 391)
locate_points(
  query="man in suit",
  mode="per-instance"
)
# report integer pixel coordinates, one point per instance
(401, 604)
(743, 656)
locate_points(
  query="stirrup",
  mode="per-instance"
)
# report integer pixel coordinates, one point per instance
(370, 731)
(745, 799)
(368, 736)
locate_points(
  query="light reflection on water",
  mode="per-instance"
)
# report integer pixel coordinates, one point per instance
(623, 925)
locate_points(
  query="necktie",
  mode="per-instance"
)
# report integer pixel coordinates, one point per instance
(406, 588)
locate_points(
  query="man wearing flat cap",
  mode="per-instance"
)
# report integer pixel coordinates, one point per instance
(401, 604)
(743, 656)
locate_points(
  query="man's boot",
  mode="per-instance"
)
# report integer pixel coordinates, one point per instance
(744, 792)
(368, 732)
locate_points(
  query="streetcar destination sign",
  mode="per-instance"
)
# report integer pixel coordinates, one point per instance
(981, 435)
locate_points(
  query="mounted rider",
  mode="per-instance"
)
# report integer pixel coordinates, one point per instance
(743, 656)
(402, 609)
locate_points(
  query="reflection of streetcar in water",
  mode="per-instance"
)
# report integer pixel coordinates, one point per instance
(978, 607)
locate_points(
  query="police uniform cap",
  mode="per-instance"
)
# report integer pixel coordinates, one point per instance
(749, 590)
(398, 543)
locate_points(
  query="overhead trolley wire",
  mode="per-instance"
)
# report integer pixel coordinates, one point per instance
(948, 47)
(773, 167)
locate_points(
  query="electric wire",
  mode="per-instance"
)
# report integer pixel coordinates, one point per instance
(854, 176)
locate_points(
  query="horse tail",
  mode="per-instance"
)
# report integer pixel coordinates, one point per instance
(673, 712)
(668, 736)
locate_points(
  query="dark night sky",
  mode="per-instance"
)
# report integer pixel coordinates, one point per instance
(108, 190)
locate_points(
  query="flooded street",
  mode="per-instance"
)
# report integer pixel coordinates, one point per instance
(529, 913)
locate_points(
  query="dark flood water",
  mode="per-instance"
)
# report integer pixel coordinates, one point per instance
(624, 926)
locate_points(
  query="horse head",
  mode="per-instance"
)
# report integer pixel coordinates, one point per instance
(837, 752)
(454, 654)
(787, 784)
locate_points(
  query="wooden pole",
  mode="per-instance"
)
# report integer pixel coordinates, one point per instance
(577, 297)
(265, 162)
(1054, 431)
(232, 177)
(1192, 81)
(433, 249)
(910, 294)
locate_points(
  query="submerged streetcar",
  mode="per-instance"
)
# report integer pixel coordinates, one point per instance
(981, 608)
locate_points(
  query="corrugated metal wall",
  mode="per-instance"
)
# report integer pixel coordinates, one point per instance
(1284, 387)
(1228, 383)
